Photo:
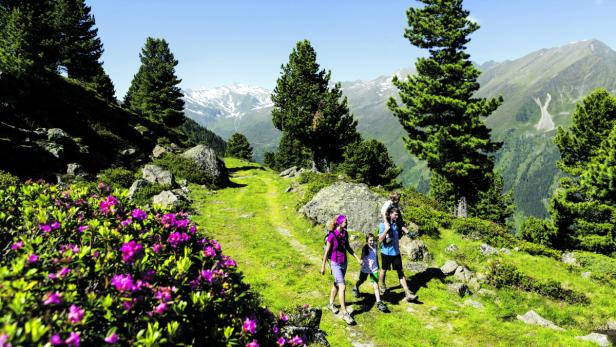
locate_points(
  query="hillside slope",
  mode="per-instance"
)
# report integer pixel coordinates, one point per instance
(279, 251)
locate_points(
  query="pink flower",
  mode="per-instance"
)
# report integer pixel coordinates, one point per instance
(281, 341)
(33, 258)
(126, 222)
(124, 283)
(176, 238)
(52, 276)
(207, 275)
(131, 251)
(83, 228)
(73, 340)
(275, 330)
(113, 338)
(216, 245)
(139, 214)
(108, 205)
(53, 298)
(45, 228)
(128, 305)
(193, 229)
(75, 315)
(209, 251)
(164, 293)
(283, 317)
(17, 245)
(253, 343)
(95, 254)
(56, 340)
(161, 308)
(63, 272)
(182, 223)
(296, 341)
(250, 326)
(4, 339)
(55, 225)
(168, 220)
(157, 247)
(228, 262)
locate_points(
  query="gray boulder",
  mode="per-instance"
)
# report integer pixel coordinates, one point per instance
(460, 289)
(158, 151)
(473, 303)
(599, 339)
(416, 250)
(58, 135)
(166, 199)
(75, 169)
(416, 266)
(569, 258)
(156, 174)
(486, 249)
(505, 251)
(449, 267)
(355, 200)
(137, 186)
(209, 164)
(53, 148)
(531, 317)
(451, 248)
(305, 322)
(463, 274)
(611, 325)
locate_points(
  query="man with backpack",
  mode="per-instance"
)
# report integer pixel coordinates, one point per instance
(389, 237)
(336, 247)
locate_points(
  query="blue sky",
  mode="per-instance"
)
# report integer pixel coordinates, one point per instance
(220, 42)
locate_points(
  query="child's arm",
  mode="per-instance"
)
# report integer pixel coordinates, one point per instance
(383, 234)
(350, 250)
(327, 248)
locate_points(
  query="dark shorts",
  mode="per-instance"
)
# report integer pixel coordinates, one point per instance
(391, 262)
(374, 277)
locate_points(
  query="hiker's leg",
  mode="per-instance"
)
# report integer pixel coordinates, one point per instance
(377, 295)
(332, 294)
(403, 281)
(341, 297)
(362, 279)
(382, 277)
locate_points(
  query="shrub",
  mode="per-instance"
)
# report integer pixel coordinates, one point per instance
(369, 162)
(117, 177)
(312, 183)
(184, 168)
(483, 230)
(238, 147)
(7, 179)
(87, 267)
(428, 221)
(537, 249)
(538, 231)
(506, 275)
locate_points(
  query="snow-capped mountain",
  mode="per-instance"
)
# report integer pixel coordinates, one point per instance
(234, 101)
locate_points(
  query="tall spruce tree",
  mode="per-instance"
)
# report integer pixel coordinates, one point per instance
(583, 209)
(29, 41)
(442, 117)
(80, 46)
(154, 91)
(239, 147)
(307, 109)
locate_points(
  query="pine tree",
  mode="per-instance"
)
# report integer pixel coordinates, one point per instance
(291, 152)
(81, 48)
(154, 91)
(369, 162)
(29, 41)
(441, 115)
(583, 209)
(238, 147)
(307, 109)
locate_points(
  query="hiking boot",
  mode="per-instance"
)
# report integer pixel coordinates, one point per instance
(381, 306)
(355, 291)
(410, 297)
(332, 308)
(348, 319)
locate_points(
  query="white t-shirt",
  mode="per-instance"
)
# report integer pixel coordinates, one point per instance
(386, 206)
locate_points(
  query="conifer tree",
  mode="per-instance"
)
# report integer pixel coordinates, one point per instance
(290, 152)
(81, 48)
(442, 117)
(154, 91)
(308, 110)
(583, 209)
(369, 162)
(238, 147)
(29, 41)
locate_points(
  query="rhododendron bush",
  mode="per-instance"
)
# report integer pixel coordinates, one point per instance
(82, 266)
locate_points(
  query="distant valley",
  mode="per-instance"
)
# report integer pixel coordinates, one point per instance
(540, 91)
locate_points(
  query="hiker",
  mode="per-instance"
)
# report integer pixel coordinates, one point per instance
(335, 249)
(390, 253)
(370, 269)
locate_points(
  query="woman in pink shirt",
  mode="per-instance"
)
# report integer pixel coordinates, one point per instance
(335, 250)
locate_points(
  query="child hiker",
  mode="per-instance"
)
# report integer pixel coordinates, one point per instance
(370, 268)
(335, 249)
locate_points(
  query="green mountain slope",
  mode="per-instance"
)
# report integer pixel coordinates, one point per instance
(279, 252)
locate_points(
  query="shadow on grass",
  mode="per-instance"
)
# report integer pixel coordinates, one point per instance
(415, 283)
(245, 168)
(232, 184)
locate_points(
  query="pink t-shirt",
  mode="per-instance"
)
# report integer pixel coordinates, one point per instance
(337, 240)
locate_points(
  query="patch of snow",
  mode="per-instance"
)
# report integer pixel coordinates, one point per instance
(545, 123)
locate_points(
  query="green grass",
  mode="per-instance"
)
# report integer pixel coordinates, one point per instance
(279, 252)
